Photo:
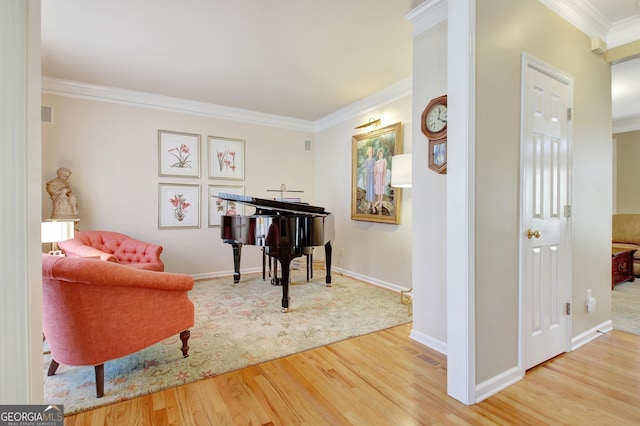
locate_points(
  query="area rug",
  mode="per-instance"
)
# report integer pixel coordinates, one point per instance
(236, 325)
(625, 306)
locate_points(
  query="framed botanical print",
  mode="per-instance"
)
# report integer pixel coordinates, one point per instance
(226, 158)
(178, 154)
(178, 206)
(373, 199)
(219, 207)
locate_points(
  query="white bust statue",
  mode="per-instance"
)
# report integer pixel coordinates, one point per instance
(65, 204)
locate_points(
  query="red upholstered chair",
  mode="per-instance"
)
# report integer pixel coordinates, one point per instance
(95, 311)
(114, 247)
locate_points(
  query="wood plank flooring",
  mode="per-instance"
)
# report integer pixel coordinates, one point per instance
(385, 378)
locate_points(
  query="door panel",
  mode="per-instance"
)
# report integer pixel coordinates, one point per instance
(545, 261)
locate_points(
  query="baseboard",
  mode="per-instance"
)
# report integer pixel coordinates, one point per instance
(497, 383)
(379, 283)
(591, 334)
(430, 342)
(209, 275)
(515, 374)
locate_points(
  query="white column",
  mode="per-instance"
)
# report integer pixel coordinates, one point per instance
(461, 355)
(20, 212)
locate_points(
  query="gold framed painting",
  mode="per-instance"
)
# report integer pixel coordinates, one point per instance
(373, 199)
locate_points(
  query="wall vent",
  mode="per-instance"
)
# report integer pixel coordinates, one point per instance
(45, 113)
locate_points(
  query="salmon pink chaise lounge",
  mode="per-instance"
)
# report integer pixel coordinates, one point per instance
(114, 247)
(96, 311)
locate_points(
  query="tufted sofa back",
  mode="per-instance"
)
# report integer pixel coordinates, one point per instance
(114, 247)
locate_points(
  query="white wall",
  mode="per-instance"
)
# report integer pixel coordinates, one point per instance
(505, 30)
(378, 252)
(112, 152)
(429, 196)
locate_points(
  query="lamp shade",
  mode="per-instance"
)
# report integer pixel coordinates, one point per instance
(54, 232)
(401, 171)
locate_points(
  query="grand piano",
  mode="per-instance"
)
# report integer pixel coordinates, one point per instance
(285, 230)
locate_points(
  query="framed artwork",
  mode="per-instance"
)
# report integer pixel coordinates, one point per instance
(226, 158)
(438, 156)
(219, 207)
(372, 197)
(178, 206)
(178, 154)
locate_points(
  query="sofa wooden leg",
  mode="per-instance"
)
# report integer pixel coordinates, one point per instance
(184, 336)
(52, 367)
(99, 380)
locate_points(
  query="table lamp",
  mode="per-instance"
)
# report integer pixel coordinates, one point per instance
(54, 232)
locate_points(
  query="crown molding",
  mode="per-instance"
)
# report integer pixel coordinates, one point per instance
(391, 93)
(93, 92)
(426, 15)
(630, 124)
(623, 32)
(582, 15)
(54, 86)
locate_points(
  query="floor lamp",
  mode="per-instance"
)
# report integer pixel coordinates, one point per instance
(401, 178)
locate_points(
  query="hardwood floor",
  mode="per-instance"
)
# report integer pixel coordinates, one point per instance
(385, 378)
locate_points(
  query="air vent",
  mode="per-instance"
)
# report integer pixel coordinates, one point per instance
(45, 113)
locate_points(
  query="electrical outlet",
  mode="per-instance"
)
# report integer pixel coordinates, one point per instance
(591, 302)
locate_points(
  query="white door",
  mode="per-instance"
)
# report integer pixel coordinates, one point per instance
(545, 257)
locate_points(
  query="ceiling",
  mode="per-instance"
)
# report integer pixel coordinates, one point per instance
(302, 59)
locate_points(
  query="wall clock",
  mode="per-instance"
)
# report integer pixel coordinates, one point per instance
(434, 126)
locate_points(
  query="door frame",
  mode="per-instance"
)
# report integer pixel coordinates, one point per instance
(529, 61)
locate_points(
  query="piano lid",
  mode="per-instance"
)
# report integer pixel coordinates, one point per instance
(285, 206)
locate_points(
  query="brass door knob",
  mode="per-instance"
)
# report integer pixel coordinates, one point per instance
(531, 234)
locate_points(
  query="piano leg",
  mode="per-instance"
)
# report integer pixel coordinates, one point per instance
(274, 279)
(327, 256)
(308, 253)
(310, 264)
(266, 258)
(285, 284)
(284, 255)
(237, 252)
